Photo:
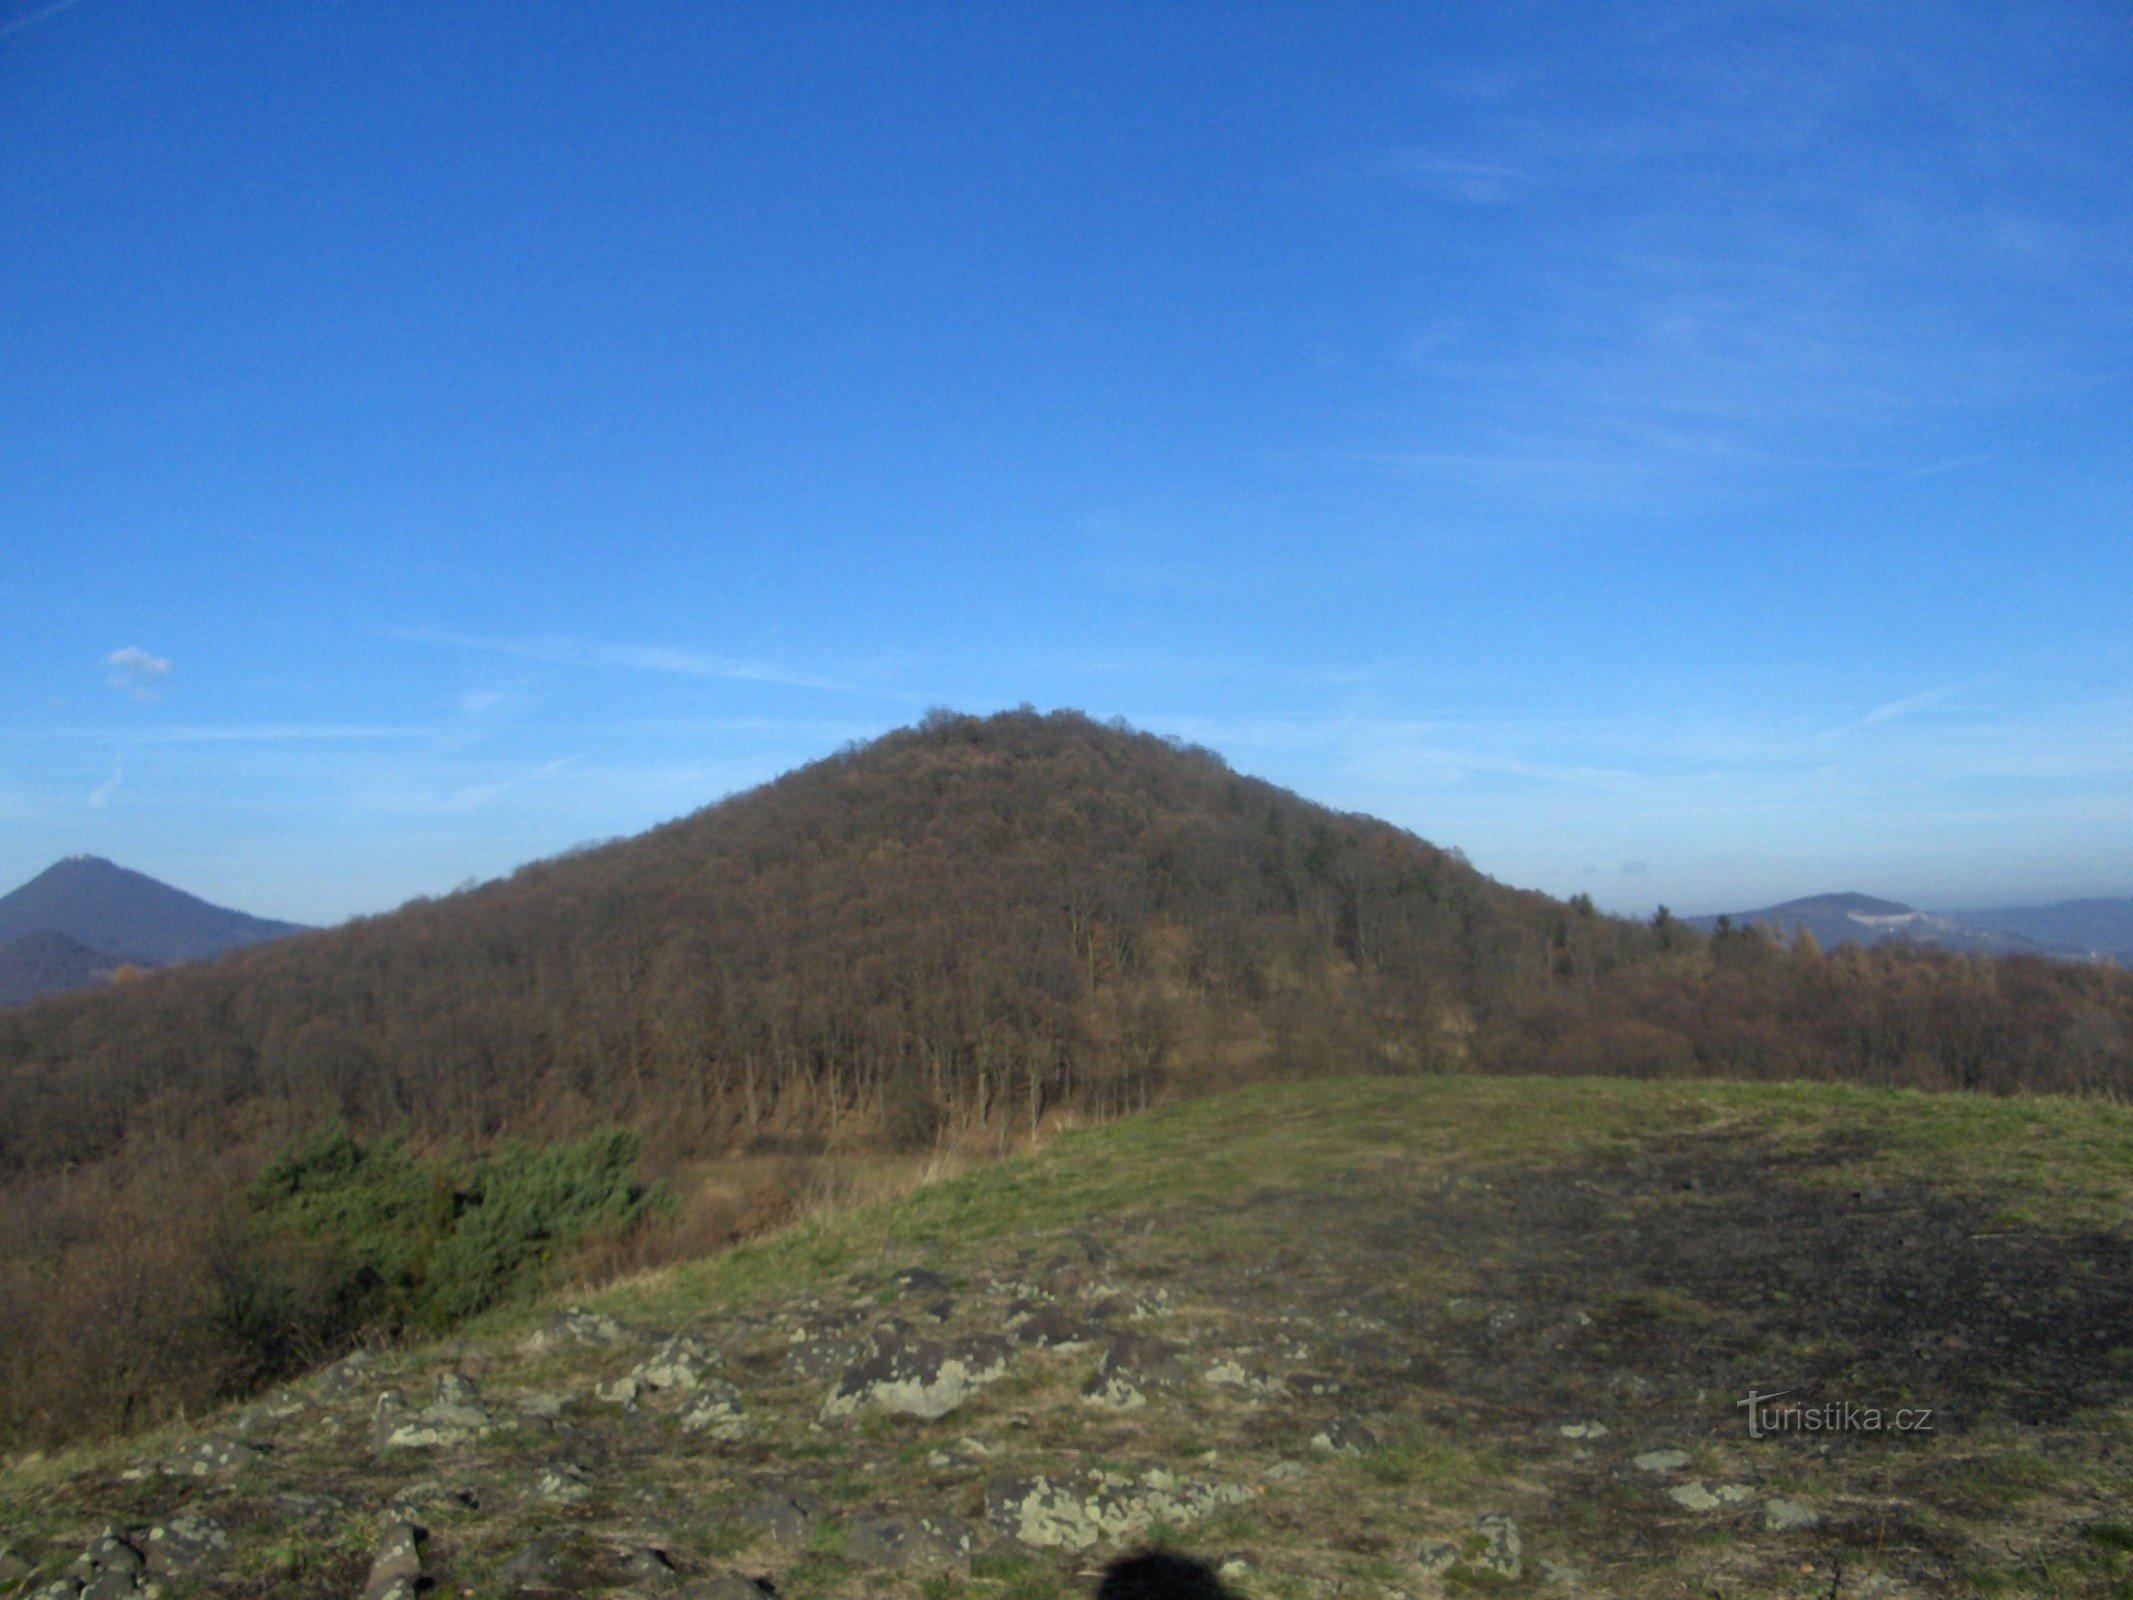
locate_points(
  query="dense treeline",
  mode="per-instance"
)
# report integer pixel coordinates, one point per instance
(951, 933)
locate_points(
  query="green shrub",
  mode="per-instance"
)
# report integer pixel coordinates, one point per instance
(402, 1240)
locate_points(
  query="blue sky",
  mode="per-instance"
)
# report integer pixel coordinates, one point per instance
(1678, 452)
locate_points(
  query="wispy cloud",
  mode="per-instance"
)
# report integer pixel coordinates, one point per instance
(1719, 273)
(100, 796)
(1479, 183)
(133, 671)
(1893, 710)
(477, 795)
(31, 19)
(259, 733)
(672, 660)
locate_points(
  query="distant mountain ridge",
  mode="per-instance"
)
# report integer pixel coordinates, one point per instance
(2083, 930)
(82, 918)
(47, 962)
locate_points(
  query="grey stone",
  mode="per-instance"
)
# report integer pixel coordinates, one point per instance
(534, 1565)
(789, 1516)
(1660, 1460)
(899, 1539)
(1143, 1361)
(399, 1559)
(351, 1374)
(432, 1495)
(726, 1586)
(648, 1565)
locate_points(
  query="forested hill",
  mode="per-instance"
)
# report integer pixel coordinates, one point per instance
(972, 920)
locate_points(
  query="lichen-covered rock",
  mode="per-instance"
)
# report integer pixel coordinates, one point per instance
(715, 1408)
(825, 1342)
(454, 1417)
(902, 1539)
(920, 1380)
(1498, 1550)
(921, 1282)
(572, 1326)
(1696, 1496)
(1781, 1515)
(1078, 1510)
(1050, 1328)
(213, 1455)
(1668, 1460)
(187, 1545)
(1493, 1549)
(1343, 1435)
(1230, 1373)
(564, 1484)
(1143, 1361)
(679, 1364)
(111, 1568)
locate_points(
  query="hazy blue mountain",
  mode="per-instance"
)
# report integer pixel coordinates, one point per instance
(108, 916)
(2093, 927)
(1835, 919)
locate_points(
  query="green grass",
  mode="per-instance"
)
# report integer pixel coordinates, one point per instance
(2054, 1162)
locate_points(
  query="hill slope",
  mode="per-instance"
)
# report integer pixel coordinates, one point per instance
(972, 921)
(46, 962)
(1414, 1337)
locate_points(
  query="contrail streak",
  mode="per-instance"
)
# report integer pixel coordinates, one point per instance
(10, 29)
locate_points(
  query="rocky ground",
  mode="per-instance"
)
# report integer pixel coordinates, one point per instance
(1355, 1339)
